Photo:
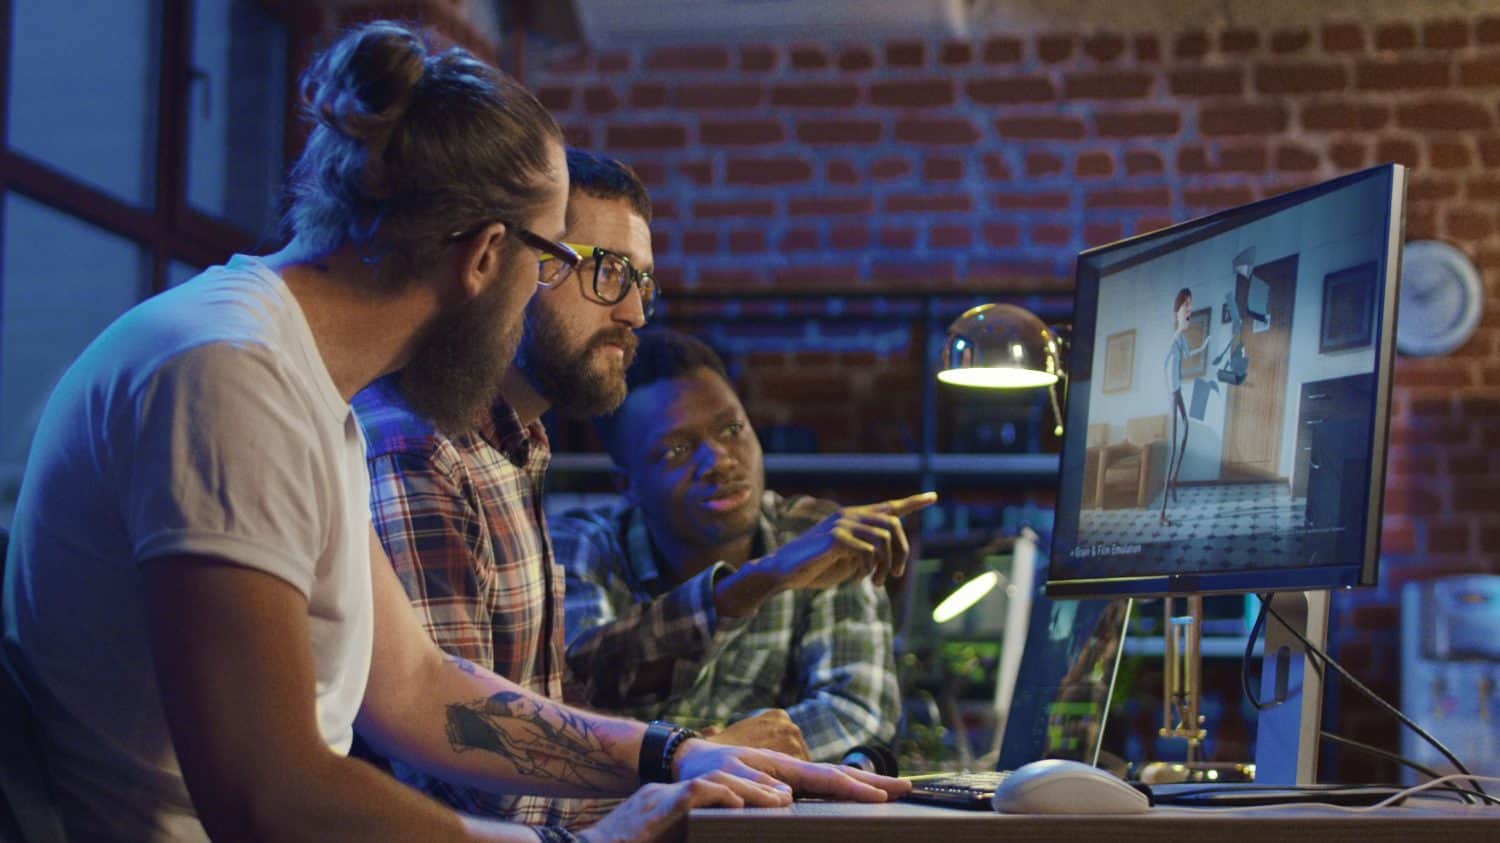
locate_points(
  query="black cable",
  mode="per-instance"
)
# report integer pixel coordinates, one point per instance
(1260, 621)
(1387, 755)
(1245, 680)
(1321, 656)
(1383, 753)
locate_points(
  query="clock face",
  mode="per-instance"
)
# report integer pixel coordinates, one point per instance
(1442, 298)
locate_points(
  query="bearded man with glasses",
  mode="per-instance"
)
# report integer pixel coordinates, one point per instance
(459, 513)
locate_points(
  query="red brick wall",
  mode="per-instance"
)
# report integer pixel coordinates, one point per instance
(984, 165)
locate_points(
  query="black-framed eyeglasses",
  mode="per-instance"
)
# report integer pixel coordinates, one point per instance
(613, 277)
(547, 276)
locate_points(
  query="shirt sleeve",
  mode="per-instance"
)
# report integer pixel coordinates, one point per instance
(610, 635)
(848, 693)
(224, 461)
(429, 523)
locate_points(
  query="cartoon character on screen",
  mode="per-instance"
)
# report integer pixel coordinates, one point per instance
(1177, 351)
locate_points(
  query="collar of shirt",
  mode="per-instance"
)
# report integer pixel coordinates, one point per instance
(645, 561)
(523, 445)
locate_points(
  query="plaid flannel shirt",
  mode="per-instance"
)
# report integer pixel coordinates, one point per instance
(824, 656)
(461, 519)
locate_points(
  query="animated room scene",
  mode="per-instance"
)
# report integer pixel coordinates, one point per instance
(1230, 401)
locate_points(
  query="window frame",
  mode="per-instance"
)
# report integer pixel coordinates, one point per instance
(171, 229)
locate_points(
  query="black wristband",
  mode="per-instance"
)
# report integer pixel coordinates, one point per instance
(658, 746)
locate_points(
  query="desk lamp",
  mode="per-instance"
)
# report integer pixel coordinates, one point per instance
(998, 346)
(1001, 346)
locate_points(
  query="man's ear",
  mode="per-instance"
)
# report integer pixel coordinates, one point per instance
(480, 258)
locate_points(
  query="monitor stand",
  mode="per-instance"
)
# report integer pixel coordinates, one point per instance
(1286, 742)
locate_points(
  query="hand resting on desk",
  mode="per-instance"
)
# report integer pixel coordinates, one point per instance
(769, 729)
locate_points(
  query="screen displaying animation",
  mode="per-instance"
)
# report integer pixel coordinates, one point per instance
(1227, 412)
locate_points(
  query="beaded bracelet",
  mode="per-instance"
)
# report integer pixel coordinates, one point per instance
(669, 751)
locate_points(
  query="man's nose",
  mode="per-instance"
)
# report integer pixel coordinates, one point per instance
(630, 310)
(715, 459)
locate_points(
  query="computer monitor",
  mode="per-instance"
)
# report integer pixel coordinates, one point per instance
(1229, 396)
(1278, 383)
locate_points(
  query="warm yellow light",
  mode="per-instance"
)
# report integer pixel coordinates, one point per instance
(967, 595)
(997, 377)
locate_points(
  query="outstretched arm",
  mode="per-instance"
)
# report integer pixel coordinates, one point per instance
(624, 652)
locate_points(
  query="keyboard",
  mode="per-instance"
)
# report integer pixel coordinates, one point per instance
(972, 791)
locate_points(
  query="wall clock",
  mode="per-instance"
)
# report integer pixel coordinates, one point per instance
(1442, 299)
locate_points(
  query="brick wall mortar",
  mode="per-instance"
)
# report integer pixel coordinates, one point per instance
(1331, 103)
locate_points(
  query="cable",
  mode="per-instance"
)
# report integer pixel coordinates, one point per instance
(1441, 780)
(1184, 798)
(1260, 621)
(1386, 754)
(1313, 650)
(1245, 681)
(1383, 753)
(1318, 656)
(1440, 783)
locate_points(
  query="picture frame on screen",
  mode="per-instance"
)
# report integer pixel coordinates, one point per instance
(1348, 308)
(1119, 361)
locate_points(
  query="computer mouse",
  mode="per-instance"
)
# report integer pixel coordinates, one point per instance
(1055, 786)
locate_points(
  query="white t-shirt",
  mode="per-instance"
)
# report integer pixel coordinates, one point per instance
(202, 421)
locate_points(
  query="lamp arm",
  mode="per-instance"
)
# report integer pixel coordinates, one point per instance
(1057, 429)
(1063, 333)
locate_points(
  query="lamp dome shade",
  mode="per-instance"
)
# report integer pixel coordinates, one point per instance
(1000, 346)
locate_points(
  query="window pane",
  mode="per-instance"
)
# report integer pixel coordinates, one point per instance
(83, 90)
(178, 272)
(51, 309)
(236, 113)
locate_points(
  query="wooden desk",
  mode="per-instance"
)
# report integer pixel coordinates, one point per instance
(830, 822)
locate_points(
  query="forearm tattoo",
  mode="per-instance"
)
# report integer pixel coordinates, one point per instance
(543, 741)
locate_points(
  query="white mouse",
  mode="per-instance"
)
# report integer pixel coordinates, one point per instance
(1054, 786)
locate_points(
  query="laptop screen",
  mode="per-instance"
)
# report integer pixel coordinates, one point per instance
(1066, 676)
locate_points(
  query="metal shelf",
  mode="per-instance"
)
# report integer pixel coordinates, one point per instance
(1212, 646)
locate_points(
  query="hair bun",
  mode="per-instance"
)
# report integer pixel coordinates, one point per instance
(362, 85)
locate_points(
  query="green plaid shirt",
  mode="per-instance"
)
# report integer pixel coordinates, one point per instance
(824, 656)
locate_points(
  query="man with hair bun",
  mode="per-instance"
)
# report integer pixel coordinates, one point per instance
(195, 601)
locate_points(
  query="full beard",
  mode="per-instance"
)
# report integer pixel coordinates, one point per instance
(571, 383)
(454, 375)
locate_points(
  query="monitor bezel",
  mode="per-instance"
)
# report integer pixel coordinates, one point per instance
(1364, 573)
